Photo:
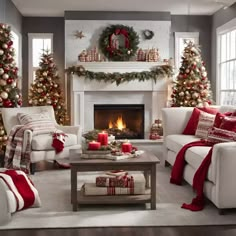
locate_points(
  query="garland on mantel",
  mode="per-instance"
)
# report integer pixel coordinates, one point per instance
(158, 72)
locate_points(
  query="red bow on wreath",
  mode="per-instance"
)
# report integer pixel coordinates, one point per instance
(123, 32)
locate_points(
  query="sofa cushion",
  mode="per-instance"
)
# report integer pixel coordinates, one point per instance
(191, 126)
(219, 117)
(43, 142)
(204, 124)
(194, 157)
(175, 142)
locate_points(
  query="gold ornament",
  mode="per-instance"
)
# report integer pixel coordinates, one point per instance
(4, 95)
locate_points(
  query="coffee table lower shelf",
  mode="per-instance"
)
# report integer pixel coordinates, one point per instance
(115, 199)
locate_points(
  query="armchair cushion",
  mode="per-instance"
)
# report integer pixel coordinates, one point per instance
(43, 142)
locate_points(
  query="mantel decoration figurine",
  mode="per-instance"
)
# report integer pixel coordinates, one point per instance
(119, 42)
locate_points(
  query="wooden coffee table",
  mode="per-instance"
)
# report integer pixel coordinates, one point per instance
(145, 162)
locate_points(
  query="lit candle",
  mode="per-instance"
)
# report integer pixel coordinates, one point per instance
(126, 147)
(94, 145)
(103, 138)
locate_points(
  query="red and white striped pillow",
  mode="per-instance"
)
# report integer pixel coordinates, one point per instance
(20, 190)
(38, 122)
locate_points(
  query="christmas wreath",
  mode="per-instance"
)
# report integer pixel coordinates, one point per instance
(119, 42)
(148, 34)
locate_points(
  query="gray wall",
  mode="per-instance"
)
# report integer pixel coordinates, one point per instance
(128, 15)
(53, 25)
(201, 24)
(10, 15)
(218, 19)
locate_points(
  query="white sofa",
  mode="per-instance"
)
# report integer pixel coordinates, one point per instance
(219, 186)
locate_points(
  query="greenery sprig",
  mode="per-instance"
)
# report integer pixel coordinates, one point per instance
(154, 74)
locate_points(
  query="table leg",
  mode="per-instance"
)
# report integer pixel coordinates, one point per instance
(153, 187)
(74, 188)
(147, 178)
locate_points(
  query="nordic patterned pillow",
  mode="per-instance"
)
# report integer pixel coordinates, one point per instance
(38, 122)
(205, 122)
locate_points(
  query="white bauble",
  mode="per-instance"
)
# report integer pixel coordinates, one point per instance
(204, 74)
(4, 95)
(45, 73)
(181, 94)
(1, 71)
(3, 82)
(13, 85)
(4, 45)
(17, 96)
(5, 76)
(187, 71)
(203, 68)
(1, 52)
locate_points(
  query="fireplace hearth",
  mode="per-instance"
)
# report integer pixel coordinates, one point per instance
(124, 121)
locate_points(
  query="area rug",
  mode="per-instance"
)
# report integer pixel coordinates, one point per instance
(56, 210)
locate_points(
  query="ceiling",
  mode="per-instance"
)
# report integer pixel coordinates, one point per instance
(175, 7)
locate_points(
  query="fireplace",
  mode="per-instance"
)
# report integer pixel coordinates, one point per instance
(124, 121)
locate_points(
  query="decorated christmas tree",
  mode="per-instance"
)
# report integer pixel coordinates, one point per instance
(192, 87)
(10, 95)
(45, 90)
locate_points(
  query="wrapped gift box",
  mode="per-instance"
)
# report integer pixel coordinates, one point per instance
(137, 186)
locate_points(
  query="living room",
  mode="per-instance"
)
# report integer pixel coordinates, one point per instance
(72, 29)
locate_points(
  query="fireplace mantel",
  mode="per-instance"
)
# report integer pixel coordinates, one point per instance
(120, 66)
(85, 92)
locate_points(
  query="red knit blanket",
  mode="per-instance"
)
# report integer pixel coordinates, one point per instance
(197, 203)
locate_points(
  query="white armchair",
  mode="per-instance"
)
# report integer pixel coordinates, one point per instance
(41, 148)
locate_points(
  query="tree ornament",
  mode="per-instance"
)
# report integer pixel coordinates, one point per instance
(9, 80)
(45, 73)
(4, 45)
(1, 71)
(3, 82)
(5, 76)
(4, 95)
(1, 52)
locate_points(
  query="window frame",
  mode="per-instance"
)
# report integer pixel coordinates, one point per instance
(179, 36)
(31, 68)
(224, 29)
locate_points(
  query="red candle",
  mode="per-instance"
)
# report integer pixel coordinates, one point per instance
(103, 138)
(126, 147)
(94, 145)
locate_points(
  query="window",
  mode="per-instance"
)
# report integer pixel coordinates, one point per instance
(226, 64)
(37, 43)
(180, 38)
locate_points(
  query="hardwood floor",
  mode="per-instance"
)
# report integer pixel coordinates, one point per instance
(128, 231)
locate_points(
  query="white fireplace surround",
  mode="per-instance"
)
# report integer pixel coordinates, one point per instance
(86, 93)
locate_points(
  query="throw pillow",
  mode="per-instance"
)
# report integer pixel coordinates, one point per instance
(219, 117)
(23, 193)
(229, 123)
(216, 135)
(38, 122)
(191, 126)
(205, 122)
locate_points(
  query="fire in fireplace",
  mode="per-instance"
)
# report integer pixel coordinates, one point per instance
(124, 121)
